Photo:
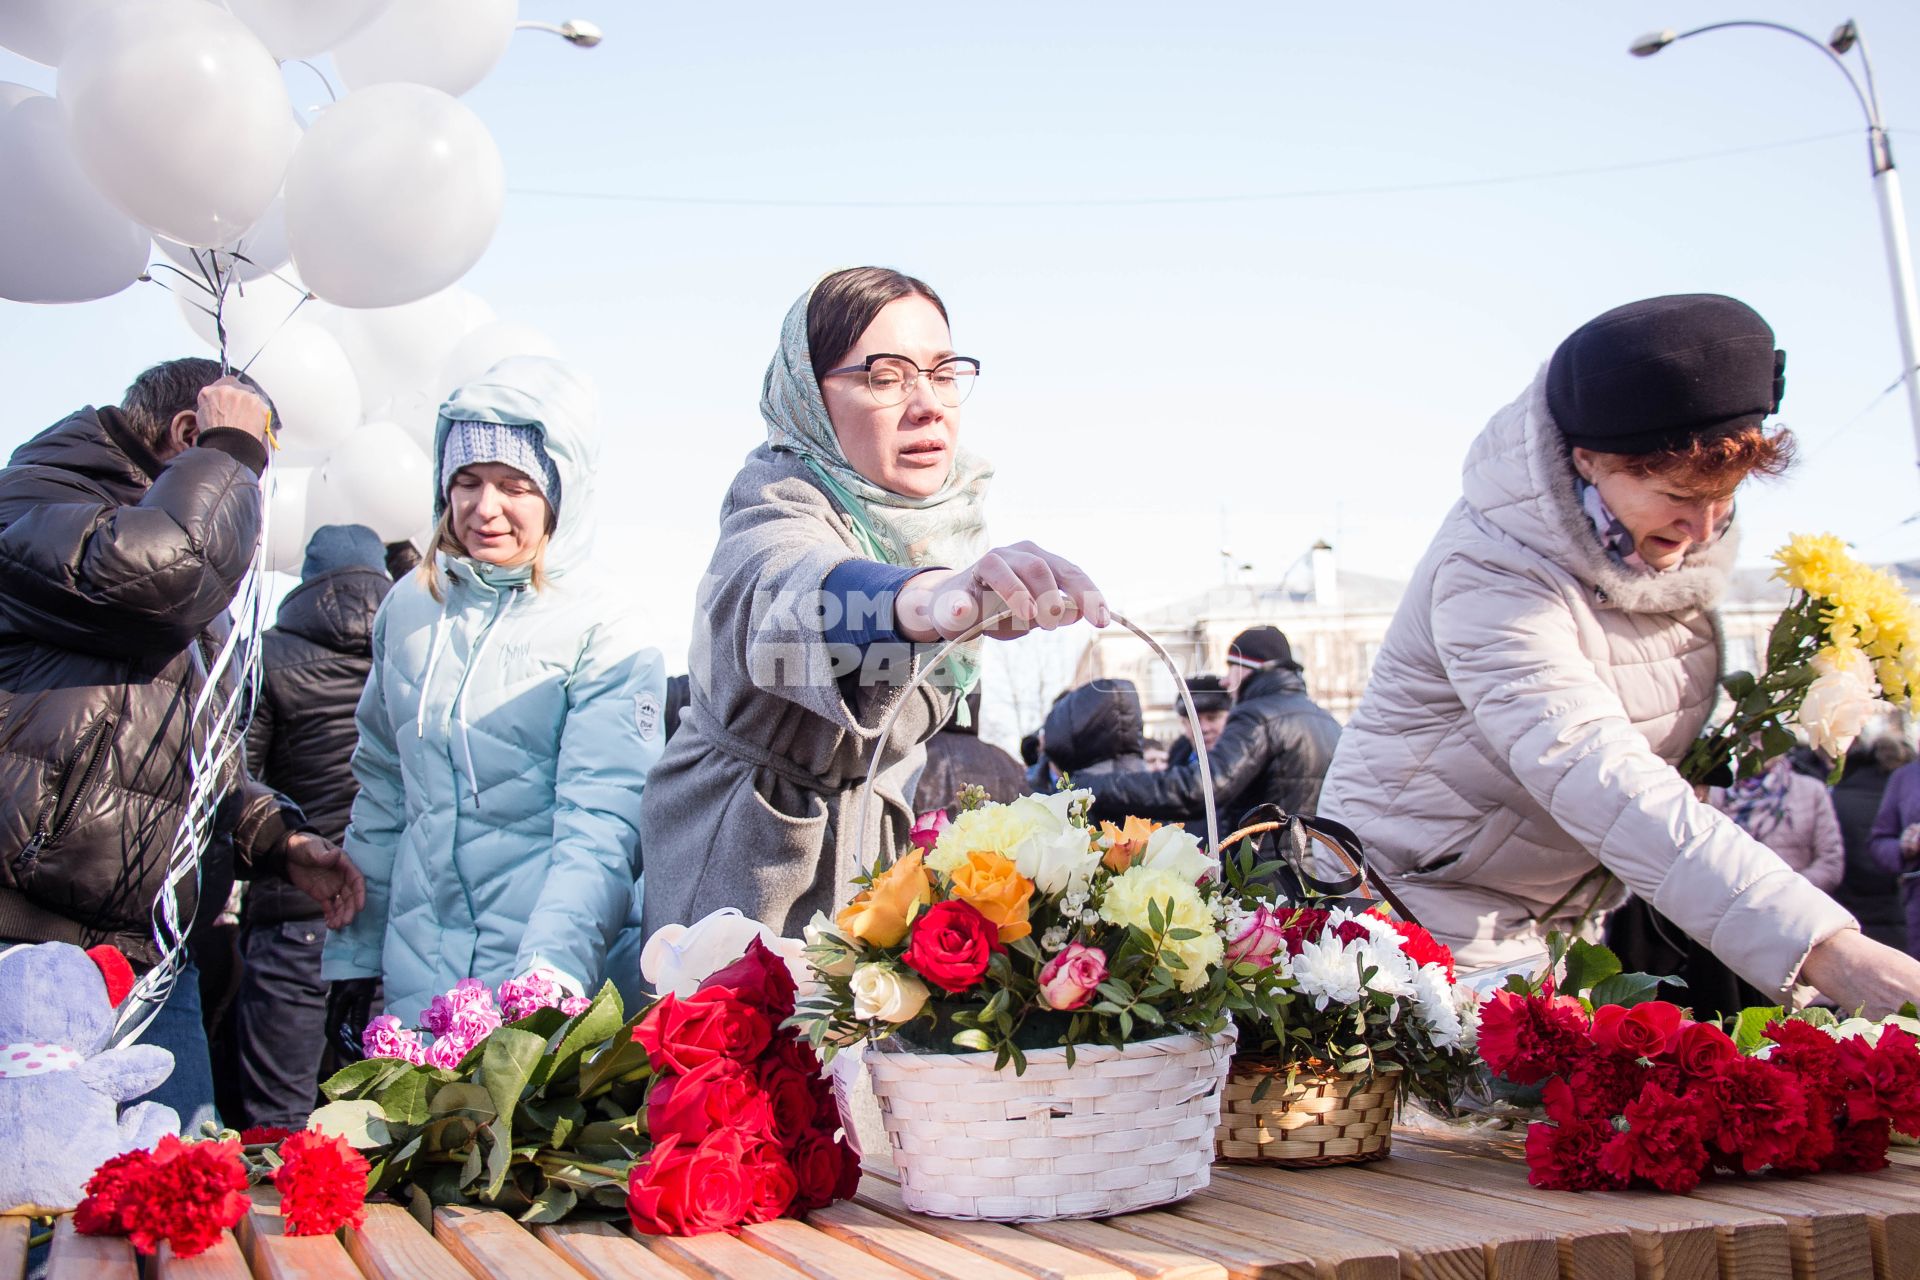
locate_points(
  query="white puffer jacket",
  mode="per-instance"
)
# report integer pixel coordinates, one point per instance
(1523, 720)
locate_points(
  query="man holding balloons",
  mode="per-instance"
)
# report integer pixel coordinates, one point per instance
(124, 535)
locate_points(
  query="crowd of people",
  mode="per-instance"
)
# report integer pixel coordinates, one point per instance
(473, 764)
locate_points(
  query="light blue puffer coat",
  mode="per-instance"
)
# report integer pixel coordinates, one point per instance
(505, 736)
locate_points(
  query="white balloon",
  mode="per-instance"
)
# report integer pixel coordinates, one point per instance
(448, 44)
(393, 194)
(40, 29)
(260, 251)
(415, 412)
(397, 351)
(487, 346)
(313, 388)
(377, 477)
(304, 28)
(178, 114)
(251, 312)
(60, 240)
(288, 488)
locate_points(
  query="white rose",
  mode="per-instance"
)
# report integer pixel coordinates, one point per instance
(678, 958)
(886, 994)
(1843, 698)
(1175, 849)
(1059, 861)
(820, 931)
(1060, 803)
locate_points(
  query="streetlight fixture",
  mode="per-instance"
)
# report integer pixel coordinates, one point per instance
(577, 32)
(1886, 182)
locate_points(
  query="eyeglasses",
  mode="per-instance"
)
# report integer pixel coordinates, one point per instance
(892, 378)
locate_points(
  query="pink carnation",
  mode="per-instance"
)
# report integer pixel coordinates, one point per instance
(384, 1037)
(524, 997)
(573, 1006)
(469, 996)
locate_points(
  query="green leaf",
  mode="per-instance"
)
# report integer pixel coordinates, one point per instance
(973, 1040)
(1588, 965)
(359, 1120)
(1626, 989)
(1750, 1027)
(1026, 947)
(597, 1023)
(363, 1077)
(1739, 684)
(506, 1065)
(465, 1099)
(499, 1157)
(404, 1101)
(622, 1056)
(1817, 1016)
(551, 1205)
(1156, 919)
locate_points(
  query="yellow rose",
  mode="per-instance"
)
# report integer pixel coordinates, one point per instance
(1181, 907)
(1126, 843)
(997, 828)
(880, 915)
(994, 887)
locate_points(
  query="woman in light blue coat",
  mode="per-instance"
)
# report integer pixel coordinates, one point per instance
(509, 724)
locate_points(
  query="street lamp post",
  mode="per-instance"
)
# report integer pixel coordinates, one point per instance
(1886, 181)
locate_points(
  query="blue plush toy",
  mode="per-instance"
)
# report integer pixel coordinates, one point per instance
(60, 1094)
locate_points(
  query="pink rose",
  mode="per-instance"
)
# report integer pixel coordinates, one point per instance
(1259, 939)
(1069, 980)
(927, 828)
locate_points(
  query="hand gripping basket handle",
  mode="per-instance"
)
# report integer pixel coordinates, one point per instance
(920, 679)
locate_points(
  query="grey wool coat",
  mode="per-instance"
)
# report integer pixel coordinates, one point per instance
(755, 802)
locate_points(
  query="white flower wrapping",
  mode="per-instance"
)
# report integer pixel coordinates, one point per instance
(678, 958)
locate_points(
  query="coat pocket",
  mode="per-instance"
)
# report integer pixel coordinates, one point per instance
(1495, 830)
(74, 785)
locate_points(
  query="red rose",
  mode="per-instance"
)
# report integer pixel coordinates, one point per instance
(791, 1101)
(721, 1094)
(322, 1185)
(951, 945)
(771, 1186)
(1304, 925)
(792, 1051)
(684, 1190)
(1861, 1148)
(761, 978)
(817, 1163)
(684, 1035)
(849, 1171)
(185, 1193)
(1702, 1049)
(1762, 1114)
(1883, 1080)
(1662, 1143)
(1525, 1039)
(1603, 1082)
(1422, 947)
(1643, 1031)
(1349, 931)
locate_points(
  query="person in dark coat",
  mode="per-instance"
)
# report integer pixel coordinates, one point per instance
(124, 535)
(956, 759)
(1868, 889)
(1213, 702)
(1274, 748)
(1095, 730)
(315, 662)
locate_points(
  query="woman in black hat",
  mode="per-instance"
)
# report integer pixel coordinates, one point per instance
(1558, 651)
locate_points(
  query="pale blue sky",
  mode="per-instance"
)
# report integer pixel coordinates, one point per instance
(1160, 377)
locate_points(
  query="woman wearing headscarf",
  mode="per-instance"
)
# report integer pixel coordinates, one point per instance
(508, 725)
(851, 542)
(1512, 762)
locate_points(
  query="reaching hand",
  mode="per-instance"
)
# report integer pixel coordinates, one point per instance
(1910, 842)
(326, 875)
(1037, 587)
(349, 1009)
(231, 403)
(1855, 972)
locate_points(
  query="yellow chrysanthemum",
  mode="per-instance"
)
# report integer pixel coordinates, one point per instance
(997, 828)
(1181, 907)
(1861, 607)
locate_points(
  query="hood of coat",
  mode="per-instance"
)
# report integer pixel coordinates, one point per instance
(553, 399)
(335, 610)
(1271, 682)
(1096, 722)
(1519, 478)
(96, 444)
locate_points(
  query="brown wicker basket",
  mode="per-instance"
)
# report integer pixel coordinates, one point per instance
(1306, 1119)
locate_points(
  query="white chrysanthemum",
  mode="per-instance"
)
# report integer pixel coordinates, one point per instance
(1434, 1004)
(1394, 970)
(1467, 1002)
(1327, 971)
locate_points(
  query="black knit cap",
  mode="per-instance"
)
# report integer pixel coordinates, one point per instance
(1261, 646)
(1659, 373)
(1209, 693)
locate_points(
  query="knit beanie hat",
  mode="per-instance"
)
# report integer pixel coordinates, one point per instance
(1260, 647)
(1659, 373)
(519, 447)
(1209, 694)
(343, 546)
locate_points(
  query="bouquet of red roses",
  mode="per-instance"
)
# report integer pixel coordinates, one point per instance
(1637, 1094)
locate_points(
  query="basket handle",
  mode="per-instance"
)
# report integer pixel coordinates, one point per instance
(1303, 829)
(974, 633)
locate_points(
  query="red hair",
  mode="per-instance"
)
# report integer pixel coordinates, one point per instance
(1715, 465)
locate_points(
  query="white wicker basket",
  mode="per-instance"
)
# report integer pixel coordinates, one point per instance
(1121, 1129)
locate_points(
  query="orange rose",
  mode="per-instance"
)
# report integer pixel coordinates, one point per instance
(880, 915)
(991, 885)
(1126, 843)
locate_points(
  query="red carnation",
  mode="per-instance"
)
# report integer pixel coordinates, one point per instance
(683, 1035)
(950, 947)
(1861, 1148)
(1702, 1050)
(686, 1190)
(1351, 931)
(323, 1184)
(1565, 1155)
(1814, 1146)
(1603, 1082)
(1525, 1039)
(1643, 1031)
(185, 1193)
(1422, 947)
(1662, 1143)
(264, 1136)
(1805, 1050)
(761, 978)
(1762, 1114)
(1883, 1080)
(720, 1094)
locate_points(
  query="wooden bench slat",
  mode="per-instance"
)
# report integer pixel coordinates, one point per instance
(224, 1261)
(392, 1245)
(14, 1234)
(1244, 1257)
(719, 1257)
(908, 1248)
(1147, 1259)
(77, 1257)
(1893, 1217)
(602, 1251)
(996, 1240)
(274, 1255)
(1349, 1251)
(815, 1253)
(1829, 1242)
(492, 1246)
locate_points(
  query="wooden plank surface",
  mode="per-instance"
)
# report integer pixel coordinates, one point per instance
(77, 1257)
(909, 1248)
(1030, 1254)
(1829, 1242)
(815, 1253)
(274, 1255)
(392, 1245)
(1244, 1257)
(14, 1234)
(1348, 1253)
(1147, 1259)
(604, 1252)
(1893, 1216)
(719, 1257)
(493, 1246)
(224, 1261)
